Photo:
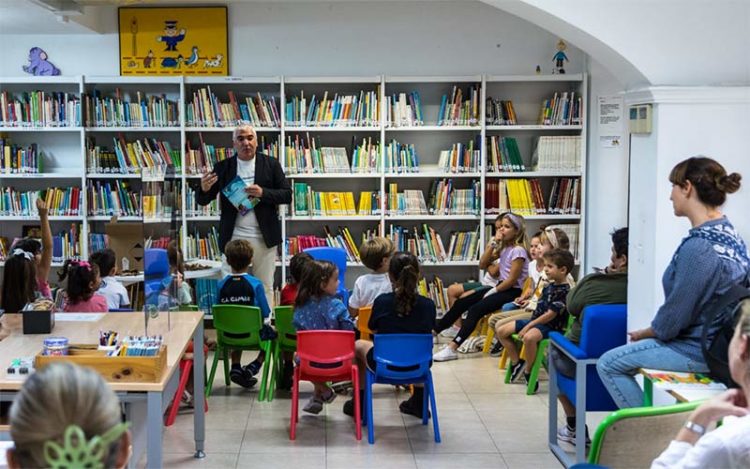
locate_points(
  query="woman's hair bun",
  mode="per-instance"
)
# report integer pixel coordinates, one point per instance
(729, 183)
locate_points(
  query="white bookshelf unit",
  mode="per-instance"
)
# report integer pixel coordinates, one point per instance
(65, 151)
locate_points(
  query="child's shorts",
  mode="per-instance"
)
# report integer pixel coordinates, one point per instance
(543, 328)
(468, 286)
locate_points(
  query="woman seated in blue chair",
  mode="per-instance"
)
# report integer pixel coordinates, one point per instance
(402, 311)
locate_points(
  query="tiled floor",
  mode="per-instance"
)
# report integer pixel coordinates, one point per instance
(484, 424)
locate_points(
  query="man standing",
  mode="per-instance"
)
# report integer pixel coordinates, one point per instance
(261, 226)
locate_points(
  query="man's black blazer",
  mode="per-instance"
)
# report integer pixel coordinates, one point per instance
(276, 190)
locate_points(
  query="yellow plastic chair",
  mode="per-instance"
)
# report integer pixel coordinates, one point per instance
(363, 319)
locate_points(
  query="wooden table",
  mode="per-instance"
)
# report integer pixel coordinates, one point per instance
(681, 392)
(145, 402)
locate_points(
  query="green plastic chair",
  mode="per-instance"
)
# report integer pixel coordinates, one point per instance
(286, 341)
(635, 437)
(238, 328)
(539, 361)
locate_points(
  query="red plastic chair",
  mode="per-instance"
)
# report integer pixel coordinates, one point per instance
(186, 364)
(325, 356)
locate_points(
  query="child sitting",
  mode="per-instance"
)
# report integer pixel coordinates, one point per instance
(110, 288)
(19, 281)
(182, 288)
(80, 292)
(550, 315)
(376, 255)
(42, 253)
(241, 288)
(296, 263)
(317, 308)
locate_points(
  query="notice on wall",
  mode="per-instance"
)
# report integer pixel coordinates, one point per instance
(611, 121)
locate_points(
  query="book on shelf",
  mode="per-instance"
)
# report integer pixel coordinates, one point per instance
(337, 111)
(460, 108)
(202, 159)
(404, 110)
(199, 246)
(526, 197)
(400, 158)
(98, 241)
(564, 108)
(305, 155)
(60, 201)
(307, 202)
(113, 198)
(157, 243)
(115, 111)
(427, 245)
(461, 158)
(40, 109)
(19, 159)
(140, 156)
(557, 153)
(503, 155)
(366, 156)
(67, 244)
(445, 199)
(499, 112)
(206, 110)
(565, 196)
(162, 200)
(436, 291)
(341, 238)
(409, 202)
(194, 210)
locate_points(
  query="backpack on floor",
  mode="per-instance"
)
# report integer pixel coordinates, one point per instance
(725, 313)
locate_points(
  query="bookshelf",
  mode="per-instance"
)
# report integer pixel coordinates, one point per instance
(194, 117)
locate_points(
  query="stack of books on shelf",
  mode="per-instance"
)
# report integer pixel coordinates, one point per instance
(67, 244)
(409, 202)
(460, 108)
(366, 157)
(97, 242)
(158, 243)
(149, 111)
(60, 202)
(499, 112)
(444, 199)
(464, 246)
(40, 109)
(148, 155)
(113, 198)
(565, 196)
(4, 247)
(340, 111)
(404, 110)
(206, 110)
(162, 200)
(307, 156)
(17, 159)
(558, 153)
(525, 197)
(342, 238)
(401, 158)
(307, 202)
(503, 155)
(460, 158)
(564, 108)
(195, 210)
(198, 246)
(436, 291)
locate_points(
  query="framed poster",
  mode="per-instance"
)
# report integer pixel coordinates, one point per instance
(173, 41)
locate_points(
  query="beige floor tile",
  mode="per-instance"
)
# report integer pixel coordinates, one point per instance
(211, 461)
(370, 460)
(220, 441)
(531, 460)
(454, 440)
(452, 461)
(284, 460)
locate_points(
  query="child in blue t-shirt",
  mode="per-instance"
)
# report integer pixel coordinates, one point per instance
(241, 288)
(317, 308)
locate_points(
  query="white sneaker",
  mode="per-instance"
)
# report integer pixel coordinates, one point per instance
(445, 354)
(314, 405)
(451, 332)
(566, 434)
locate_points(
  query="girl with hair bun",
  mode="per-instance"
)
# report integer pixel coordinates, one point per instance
(708, 262)
(403, 311)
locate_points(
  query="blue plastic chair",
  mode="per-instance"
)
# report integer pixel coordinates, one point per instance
(402, 359)
(604, 328)
(338, 257)
(156, 270)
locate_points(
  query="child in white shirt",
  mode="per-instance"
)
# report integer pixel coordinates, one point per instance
(110, 288)
(376, 255)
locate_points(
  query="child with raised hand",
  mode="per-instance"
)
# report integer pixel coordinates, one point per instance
(42, 253)
(296, 263)
(510, 247)
(110, 288)
(318, 308)
(241, 288)
(80, 291)
(375, 254)
(550, 315)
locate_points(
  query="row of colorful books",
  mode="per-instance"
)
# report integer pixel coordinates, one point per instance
(460, 108)
(341, 110)
(400, 158)
(162, 200)
(526, 197)
(161, 242)
(194, 210)
(131, 157)
(199, 246)
(207, 110)
(307, 202)
(115, 111)
(342, 238)
(40, 109)
(444, 199)
(564, 108)
(366, 156)
(60, 201)
(499, 112)
(503, 155)
(404, 110)
(558, 153)
(66, 244)
(427, 245)
(306, 155)
(203, 158)
(436, 291)
(113, 198)
(18, 158)
(460, 158)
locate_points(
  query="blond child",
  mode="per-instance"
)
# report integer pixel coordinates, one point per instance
(375, 254)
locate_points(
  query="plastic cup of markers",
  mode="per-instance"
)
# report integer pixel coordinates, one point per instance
(107, 348)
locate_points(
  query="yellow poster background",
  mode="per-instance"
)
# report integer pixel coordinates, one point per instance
(173, 41)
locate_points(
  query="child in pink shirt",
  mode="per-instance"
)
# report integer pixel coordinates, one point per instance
(80, 292)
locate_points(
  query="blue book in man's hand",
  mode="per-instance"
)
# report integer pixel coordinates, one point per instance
(235, 192)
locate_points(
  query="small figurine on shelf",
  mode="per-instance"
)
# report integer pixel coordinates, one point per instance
(538, 70)
(38, 64)
(560, 58)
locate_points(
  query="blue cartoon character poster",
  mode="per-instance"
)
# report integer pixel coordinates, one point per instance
(173, 41)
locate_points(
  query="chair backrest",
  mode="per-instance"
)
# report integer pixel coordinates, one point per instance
(325, 353)
(284, 321)
(363, 321)
(402, 356)
(237, 325)
(604, 328)
(155, 263)
(335, 255)
(635, 437)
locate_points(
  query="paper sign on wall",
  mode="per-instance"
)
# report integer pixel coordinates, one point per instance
(611, 121)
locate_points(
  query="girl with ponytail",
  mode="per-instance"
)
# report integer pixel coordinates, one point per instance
(403, 311)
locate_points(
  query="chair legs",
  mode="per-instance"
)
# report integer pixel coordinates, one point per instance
(430, 389)
(368, 407)
(266, 367)
(488, 340)
(428, 403)
(295, 406)
(538, 361)
(185, 366)
(211, 375)
(357, 404)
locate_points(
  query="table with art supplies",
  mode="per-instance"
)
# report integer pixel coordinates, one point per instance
(141, 365)
(684, 387)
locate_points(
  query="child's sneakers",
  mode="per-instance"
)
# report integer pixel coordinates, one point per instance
(445, 354)
(567, 434)
(527, 378)
(253, 367)
(497, 349)
(241, 376)
(517, 370)
(315, 404)
(450, 333)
